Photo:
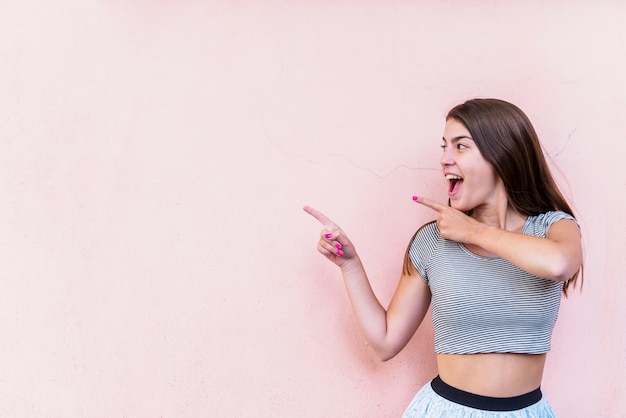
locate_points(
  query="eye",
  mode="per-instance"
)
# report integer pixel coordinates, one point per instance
(460, 146)
(443, 147)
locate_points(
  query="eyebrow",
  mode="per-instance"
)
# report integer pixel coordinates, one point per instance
(457, 138)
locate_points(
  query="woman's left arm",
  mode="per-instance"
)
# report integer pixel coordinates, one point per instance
(557, 257)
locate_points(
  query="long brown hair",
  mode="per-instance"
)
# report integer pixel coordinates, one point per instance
(508, 141)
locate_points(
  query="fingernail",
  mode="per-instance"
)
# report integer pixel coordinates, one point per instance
(338, 246)
(328, 235)
(415, 198)
(339, 253)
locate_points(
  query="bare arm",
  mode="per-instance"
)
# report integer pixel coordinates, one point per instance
(557, 257)
(386, 330)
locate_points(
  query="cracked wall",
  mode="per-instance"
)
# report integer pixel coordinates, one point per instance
(155, 157)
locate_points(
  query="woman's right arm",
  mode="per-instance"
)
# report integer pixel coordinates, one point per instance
(386, 330)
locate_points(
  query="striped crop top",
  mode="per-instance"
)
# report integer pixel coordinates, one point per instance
(486, 304)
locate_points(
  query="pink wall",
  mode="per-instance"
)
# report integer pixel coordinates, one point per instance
(155, 156)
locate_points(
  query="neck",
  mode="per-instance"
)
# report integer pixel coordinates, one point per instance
(500, 215)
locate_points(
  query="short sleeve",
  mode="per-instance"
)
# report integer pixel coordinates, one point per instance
(540, 224)
(422, 247)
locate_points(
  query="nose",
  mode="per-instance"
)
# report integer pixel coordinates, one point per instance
(446, 158)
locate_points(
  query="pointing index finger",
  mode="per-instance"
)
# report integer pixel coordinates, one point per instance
(429, 203)
(323, 219)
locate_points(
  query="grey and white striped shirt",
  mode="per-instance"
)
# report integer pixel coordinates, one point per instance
(486, 304)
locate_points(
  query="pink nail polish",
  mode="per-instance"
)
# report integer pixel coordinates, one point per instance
(339, 253)
(328, 235)
(338, 246)
(415, 198)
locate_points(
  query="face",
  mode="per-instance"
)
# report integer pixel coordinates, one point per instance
(472, 181)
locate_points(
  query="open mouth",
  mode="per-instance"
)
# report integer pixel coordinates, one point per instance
(454, 184)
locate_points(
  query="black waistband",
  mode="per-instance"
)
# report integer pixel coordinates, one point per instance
(486, 403)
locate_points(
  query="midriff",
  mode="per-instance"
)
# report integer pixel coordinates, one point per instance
(492, 374)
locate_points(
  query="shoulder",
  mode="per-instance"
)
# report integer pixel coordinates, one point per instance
(428, 232)
(422, 247)
(540, 224)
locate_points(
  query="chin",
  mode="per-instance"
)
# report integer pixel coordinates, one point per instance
(454, 204)
(458, 205)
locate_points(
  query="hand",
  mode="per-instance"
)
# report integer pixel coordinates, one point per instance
(453, 224)
(333, 243)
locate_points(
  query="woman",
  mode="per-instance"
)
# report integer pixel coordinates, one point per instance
(493, 266)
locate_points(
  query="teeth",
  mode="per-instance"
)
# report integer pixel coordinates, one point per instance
(452, 177)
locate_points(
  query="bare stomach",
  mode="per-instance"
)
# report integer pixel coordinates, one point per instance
(492, 374)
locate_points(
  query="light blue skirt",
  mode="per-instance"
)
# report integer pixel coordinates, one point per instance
(429, 404)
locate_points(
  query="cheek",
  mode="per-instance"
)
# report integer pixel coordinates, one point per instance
(488, 174)
(481, 183)
(489, 179)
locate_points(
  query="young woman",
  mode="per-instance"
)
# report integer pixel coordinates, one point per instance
(493, 266)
